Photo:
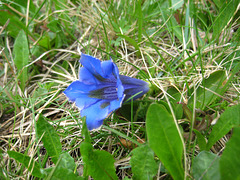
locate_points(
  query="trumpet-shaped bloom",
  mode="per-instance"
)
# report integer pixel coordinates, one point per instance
(100, 90)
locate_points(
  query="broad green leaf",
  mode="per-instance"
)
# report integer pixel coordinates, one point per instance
(53, 26)
(165, 140)
(229, 162)
(176, 4)
(27, 162)
(219, 3)
(67, 161)
(58, 38)
(200, 140)
(206, 166)
(64, 169)
(225, 15)
(234, 71)
(21, 57)
(60, 4)
(99, 164)
(85, 131)
(216, 83)
(143, 163)
(45, 41)
(50, 139)
(228, 119)
(14, 26)
(205, 96)
(64, 174)
(165, 104)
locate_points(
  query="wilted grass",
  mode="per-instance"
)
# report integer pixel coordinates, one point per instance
(173, 47)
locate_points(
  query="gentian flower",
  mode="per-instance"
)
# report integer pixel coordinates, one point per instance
(100, 89)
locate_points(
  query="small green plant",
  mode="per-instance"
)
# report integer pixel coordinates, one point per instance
(164, 138)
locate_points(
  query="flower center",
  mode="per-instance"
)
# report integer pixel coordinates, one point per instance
(108, 93)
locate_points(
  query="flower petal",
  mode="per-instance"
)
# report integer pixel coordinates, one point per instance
(133, 87)
(107, 68)
(85, 102)
(120, 89)
(77, 89)
(93, 124)
(92, 64)
(95, 114)
(128, 81)
(115, 71)
(86, 76)
(116, 104)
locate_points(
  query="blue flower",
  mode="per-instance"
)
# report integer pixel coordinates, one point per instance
(100, 90)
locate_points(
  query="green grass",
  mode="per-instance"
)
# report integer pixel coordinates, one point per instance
(188, 52)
